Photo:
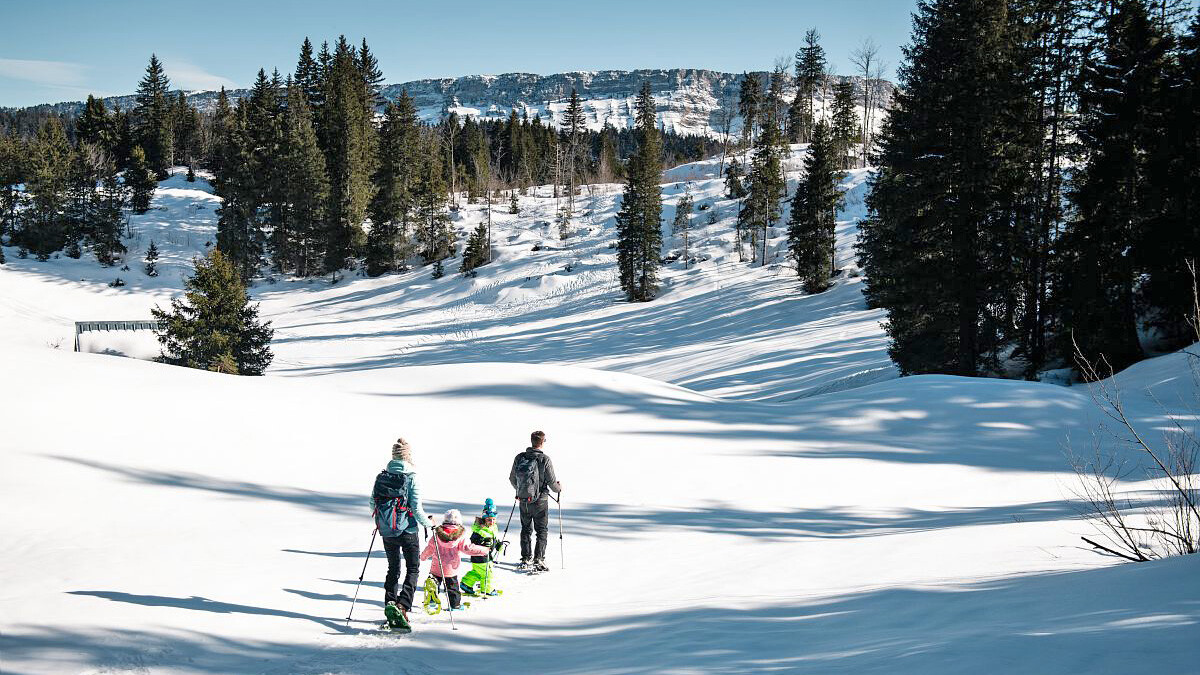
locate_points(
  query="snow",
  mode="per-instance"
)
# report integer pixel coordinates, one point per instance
(690, 116)
(747, 485)
(685, 111)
